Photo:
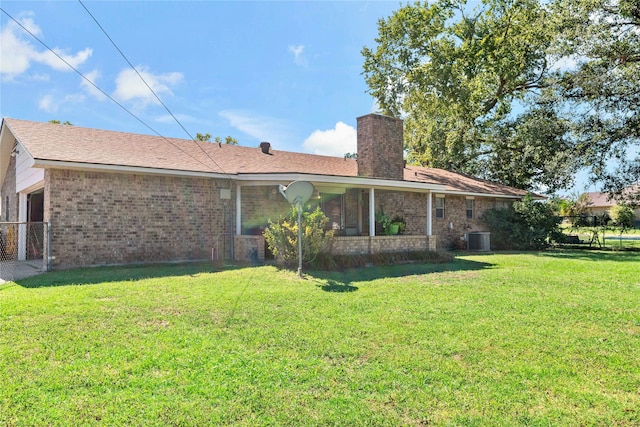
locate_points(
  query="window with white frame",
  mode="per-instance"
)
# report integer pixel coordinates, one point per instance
(470, 206)
(439, 207)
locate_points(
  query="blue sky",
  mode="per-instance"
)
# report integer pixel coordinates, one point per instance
(284, 72)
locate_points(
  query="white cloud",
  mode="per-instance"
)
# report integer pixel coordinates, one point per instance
(53, 59)
(260, 127)
(333, 142)
(52, 103)
(91, 89)
(129, 86)
(48, 104)
(298, 55)
(17, 53)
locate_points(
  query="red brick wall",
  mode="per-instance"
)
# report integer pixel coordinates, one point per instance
(410, 206)
(259, 205)
(249, 248)
(380, 147)
(455, 212)
(109, 218)
(361, 245)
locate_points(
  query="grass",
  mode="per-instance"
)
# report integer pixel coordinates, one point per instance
(612, 239)
(532, 339)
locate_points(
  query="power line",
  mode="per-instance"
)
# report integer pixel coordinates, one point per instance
(148, 86)
(134, 69)
(112, 99)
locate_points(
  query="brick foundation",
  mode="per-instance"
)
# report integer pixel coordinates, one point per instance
(363, 245)
(249, 248)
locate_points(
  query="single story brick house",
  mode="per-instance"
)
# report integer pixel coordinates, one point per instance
(601, 203)
(117, 198)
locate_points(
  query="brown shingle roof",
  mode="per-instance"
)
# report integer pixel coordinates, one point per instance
(53, 142)
(603, 199)
(458, 182)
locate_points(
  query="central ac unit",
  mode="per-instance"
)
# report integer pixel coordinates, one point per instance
(479, 241)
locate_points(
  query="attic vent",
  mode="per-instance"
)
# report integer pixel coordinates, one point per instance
(265, 146)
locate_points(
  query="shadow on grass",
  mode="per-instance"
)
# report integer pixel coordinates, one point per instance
(342, 281)
(334, 286)
(590, 254)
(95, 275)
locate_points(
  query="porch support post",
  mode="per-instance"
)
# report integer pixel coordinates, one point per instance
(372, 212)
(429, 210)
(238, 210)
(22, 228)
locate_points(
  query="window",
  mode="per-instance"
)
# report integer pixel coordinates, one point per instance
(333, 207)
(439, 207)
(470, 208)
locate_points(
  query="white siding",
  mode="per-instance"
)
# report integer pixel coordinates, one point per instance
(26, 175)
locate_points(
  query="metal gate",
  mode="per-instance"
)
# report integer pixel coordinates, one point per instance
(23, 251)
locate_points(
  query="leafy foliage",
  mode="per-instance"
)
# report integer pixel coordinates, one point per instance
(622, 216)
(206, 137)
(456, 72)
(527, 225)
(602, 90)
(523, 92)
(282, 236)
(575, 209)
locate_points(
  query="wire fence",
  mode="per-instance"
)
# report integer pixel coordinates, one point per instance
(22, 250)
(598, 231)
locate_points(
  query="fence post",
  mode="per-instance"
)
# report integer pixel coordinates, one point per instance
(47, 255)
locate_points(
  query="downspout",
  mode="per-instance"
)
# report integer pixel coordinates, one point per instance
(231, 234)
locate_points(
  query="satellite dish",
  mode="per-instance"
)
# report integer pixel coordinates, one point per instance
(298, 192)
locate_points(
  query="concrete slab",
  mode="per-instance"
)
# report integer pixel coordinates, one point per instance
(16, 270)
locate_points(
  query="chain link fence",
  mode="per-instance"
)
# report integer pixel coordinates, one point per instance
(22, 250)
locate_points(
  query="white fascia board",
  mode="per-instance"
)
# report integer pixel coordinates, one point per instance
(346, 181)
(469, 194)
(55, 164)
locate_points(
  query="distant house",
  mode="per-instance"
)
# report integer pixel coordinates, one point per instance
(116, 198)
(600, 203)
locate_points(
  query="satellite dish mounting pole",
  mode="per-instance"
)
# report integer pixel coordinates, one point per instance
(299, 205)
(297, 194)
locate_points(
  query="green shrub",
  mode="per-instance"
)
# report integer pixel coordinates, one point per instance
(622, 216)
(527, 225)
(282, 237)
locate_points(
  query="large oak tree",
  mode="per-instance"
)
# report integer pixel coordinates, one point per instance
(470, 81)
(602, 89)
(525, 92)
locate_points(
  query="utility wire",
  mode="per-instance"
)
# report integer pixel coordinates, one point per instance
(149, 86)
(111, 98)
(134, 69)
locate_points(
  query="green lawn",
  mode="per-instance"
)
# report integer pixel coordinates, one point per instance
(537, 339)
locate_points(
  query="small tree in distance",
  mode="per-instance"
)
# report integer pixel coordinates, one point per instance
(621, 217)
(206, 137)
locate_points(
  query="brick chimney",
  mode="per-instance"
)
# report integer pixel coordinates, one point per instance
(380, 147)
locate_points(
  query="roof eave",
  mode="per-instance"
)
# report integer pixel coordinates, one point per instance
(58, 164)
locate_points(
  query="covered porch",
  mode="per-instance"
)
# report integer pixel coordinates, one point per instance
(350, 204)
